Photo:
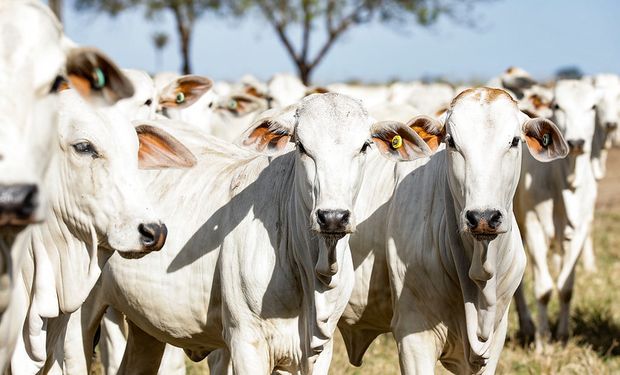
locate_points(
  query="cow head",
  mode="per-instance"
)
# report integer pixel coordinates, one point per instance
(608, 106)
(96, 166)
(483, 134)
(332, 134)
(574, 110)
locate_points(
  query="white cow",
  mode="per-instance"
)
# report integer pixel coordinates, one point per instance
(285, 89)
(96, 206)
(554, 206)
(515, 80)
(272, 224)
(607, 117)
(437, 253)
(34, 58)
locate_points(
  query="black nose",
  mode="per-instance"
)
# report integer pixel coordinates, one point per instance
(611, 125)
(153, 236)
(486, 221)
(575, 144)
(18, 203)
(333, 221)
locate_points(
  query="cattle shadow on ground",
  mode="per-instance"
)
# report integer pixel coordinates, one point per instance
(595, 326)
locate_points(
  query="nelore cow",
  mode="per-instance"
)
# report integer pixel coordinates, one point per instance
(438, 253)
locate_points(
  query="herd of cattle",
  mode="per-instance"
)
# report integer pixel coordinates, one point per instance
(247, 222)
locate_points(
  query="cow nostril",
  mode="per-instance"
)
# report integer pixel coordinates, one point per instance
(29, 202)
(575, 143)
(147, 234)
(333, 220)
(320, 217)
(153, 235)
(495, 219)
(611, 125)
(473, 218)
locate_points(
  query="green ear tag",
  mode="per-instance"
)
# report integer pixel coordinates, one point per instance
(546, 140)
(99, 78)
(397, 142)
(180, 98)
(232, 104)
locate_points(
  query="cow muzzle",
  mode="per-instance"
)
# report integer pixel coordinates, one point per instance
(484, 225)
(152, 236)
(611, 125)
(18, 205)
(576, 146)
(334, 223)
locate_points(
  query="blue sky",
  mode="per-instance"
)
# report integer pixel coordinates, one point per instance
(538, 35)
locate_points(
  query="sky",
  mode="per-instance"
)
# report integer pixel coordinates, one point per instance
(537, 35)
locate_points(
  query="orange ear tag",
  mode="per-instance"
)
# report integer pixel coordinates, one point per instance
(397, 142)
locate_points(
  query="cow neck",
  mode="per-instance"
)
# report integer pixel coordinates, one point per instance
(318, 264)
(65, 251)
(483, 270)
(575, 170)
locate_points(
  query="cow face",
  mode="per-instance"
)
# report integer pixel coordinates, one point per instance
(608, 106)
(483, 134)
(34, 54)
(332, 134)
(96, 167)
(574, 112)
(143, 104)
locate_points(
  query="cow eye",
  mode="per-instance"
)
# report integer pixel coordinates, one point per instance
(365, 147)
(594, 107)
(85, 148)
(148, 102)
(450, 141)
(556, 106)
(515, 142)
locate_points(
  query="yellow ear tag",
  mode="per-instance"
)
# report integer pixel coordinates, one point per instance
(397, 142)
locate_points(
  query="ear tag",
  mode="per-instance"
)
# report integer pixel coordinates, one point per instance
(397, 142)
(180, 98)
(232, 104)
(99, 78)
(546, 140)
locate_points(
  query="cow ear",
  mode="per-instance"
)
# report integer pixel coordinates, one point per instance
(96, 77)
(184, 91)
(429, 129)
(398, 142)
(241, 105)
(160, 150)
(543, 139)
(268, 136)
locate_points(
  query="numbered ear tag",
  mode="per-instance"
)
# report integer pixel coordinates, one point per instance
(99, 78)
(180, 98)
(546, 140)
(232, 104)
(397, 142)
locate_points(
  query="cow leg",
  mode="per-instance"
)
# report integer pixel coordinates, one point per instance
(249, 354)
(324, 359)
(588, 257)
(566, 279)
(173, 361)
(143, 353)
(498, 344)
(113, 340)
(527, 329)
(417, 345)
(543, 283)
(219, 362)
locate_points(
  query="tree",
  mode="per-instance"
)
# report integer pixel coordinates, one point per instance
(335, 17)
(185, 13)
(160, 41)
(56, 7)
(569, 72)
